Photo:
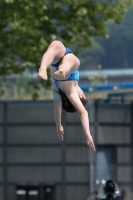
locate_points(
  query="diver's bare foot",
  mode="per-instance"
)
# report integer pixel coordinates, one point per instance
(60, 73)
(43, 74)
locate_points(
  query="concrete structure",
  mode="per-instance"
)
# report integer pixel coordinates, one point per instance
(32, 153)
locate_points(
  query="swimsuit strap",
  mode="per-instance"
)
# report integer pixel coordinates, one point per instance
(57, 64)
(68, 51)
(57, 84)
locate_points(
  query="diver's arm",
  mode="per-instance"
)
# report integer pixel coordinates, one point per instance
(74, 98)
(57, 114)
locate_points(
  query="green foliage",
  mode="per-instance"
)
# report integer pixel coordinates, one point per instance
(119, 44)
(24, 87)
(1, 90)
(99, 79)
(90, 58)
(114, 52)
(27, 27)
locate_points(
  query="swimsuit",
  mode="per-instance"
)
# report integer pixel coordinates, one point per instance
(73, 77)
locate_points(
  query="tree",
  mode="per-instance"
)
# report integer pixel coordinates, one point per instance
(116, 50)
(119, 46)
(27, 27)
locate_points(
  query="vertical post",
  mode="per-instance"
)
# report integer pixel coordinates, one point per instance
(64, 159)
(93, 163)
(92, 176)
(5, 150)
(95, 137)
(131, 110)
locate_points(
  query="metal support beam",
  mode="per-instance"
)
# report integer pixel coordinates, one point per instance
(5, 149)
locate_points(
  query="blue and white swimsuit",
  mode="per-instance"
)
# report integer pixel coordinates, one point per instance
(73, 77)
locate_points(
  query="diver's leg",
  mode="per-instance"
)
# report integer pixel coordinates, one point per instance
(69, 64)
(55, 50)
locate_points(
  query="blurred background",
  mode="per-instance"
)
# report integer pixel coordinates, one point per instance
(33, 163)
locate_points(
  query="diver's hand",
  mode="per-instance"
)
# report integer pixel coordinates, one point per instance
(90, 142)
(60, 132)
